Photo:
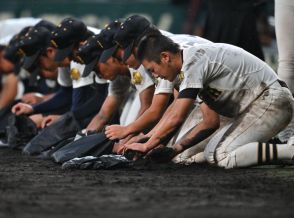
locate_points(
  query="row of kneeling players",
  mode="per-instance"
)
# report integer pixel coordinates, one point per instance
(131, 91)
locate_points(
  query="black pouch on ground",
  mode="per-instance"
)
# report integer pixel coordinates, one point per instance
(95, 145)
(47, 155)
(64, 128)
(20, 130)
(103, 162)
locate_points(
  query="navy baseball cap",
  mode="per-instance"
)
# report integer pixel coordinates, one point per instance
(11, 50)
(33, 44)
(130, 32)
(93, 50)
(109, 32)
(69, 33)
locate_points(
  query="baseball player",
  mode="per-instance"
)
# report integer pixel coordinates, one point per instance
(232, 82)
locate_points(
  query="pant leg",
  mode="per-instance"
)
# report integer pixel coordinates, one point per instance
(284, 16)
(267, 115)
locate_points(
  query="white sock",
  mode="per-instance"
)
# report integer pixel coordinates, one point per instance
(259, 154)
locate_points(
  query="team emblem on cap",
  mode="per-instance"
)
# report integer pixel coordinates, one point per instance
(21, 52)
(75, 74)
(79, 59)
(137, 78)
(53, 43)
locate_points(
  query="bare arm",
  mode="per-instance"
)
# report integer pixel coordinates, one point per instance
(201, 131)
(146, 120)
(146, 99)
(105, 114)
(209, 124)
(9, 90)
(172, 122)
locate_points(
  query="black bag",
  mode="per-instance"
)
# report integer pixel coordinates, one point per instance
(104, 162)
(20, 130)
(47, 155)
(96, 145)
(66, 127)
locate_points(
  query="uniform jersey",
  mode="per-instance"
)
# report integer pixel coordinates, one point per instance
(71, 76)
(185, 41)
(139, 78)
(230, 78)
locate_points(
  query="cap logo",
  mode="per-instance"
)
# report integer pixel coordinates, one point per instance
(137, 78)
(79, 59)
(75, 74)
(118, 44)
(54, 44)
(21, 52)
(99, 43)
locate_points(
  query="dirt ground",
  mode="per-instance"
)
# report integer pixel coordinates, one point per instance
(30, 187)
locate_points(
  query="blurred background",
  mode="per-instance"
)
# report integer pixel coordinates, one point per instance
(176, 16)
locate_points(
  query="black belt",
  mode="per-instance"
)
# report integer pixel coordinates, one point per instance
(283, 84)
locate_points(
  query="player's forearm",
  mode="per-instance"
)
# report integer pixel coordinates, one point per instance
(147, 120)
(166, 129)
(194, 136)
(161, 121)
(105, 114)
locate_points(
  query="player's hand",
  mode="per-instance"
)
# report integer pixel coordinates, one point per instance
(116, 132)
(137, 147)
(32, 98)
(22, 108)
(119, 148)
(161, 154)
(140, 138)
(47, 121)
(92, 127)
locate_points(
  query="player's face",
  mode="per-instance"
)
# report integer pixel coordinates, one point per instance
(5, 65)
(110, 69)
(165, 69)
(46, 61)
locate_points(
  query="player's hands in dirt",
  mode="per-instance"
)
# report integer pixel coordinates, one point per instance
(140, 138)
(32, 98)
(161, 154)
(22, 108)
(47, 121)
(118, 148)
(116, 132)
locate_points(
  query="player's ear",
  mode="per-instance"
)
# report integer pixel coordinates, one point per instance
(164, 57)
(50, 52)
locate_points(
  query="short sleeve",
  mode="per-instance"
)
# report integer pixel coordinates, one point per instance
(141, 79)
(164, 86)
(76, 71)
(193, 69)
(119, 87)
(63, 77)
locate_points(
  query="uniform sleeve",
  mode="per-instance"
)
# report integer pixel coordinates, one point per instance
(62, 99)
(141, 79)
(193, 70)
(119, 87)
(63, 77)
(76, 71)
(164, 86)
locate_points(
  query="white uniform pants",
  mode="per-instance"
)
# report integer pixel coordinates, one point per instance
(266, 116)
